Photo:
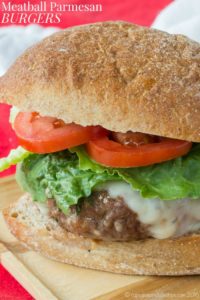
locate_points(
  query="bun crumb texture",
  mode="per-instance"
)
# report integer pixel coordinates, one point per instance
(34, 228)
(115, 74)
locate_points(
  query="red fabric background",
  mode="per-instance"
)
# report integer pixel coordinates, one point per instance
(140, 12)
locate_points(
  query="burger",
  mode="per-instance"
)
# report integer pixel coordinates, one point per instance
(108, 121)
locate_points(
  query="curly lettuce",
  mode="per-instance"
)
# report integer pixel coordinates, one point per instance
(174, 179)
(58, 176)
(68, 176)
(14, 157)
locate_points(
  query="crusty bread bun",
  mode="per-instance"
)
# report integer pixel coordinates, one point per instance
(115, 74)
(32, 226)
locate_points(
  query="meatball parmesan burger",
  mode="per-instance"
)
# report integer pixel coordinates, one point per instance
(108, 121)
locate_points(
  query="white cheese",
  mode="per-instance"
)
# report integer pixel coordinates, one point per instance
(43, 207)
(164, 219)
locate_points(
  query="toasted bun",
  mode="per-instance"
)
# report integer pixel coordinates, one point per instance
(32, 226)
(115, 74)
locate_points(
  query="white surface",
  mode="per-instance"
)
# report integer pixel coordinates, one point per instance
(15, 39)
(181, 16)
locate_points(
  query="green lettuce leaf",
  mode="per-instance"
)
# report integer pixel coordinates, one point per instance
(15, 156)
(68, 176)
(170, 180)
(58, 176)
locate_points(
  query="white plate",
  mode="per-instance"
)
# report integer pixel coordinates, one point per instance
(15, 39)
(181, 16)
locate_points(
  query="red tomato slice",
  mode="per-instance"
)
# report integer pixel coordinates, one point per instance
(47, 134)
(112, 154)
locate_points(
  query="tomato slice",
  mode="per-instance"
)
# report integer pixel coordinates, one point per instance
(113, 154)
(47, 134)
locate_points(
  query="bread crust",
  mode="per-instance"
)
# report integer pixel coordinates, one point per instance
(115, 74)
(33, 227)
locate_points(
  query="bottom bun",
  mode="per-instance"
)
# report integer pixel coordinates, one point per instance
(30, 223)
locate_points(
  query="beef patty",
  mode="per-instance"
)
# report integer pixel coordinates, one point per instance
(100, 217)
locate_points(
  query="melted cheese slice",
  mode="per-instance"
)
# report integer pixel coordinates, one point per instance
(164, 219)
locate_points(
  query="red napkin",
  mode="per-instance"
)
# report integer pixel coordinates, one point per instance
(140, 12)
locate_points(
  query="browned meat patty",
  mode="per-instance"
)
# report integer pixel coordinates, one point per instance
(133, 138)
(101, 217)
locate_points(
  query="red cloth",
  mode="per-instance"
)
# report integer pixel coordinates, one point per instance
(10, 289)
(140, 12)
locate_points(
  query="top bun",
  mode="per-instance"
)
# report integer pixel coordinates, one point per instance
(115, 74)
